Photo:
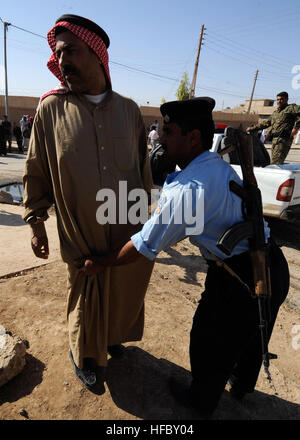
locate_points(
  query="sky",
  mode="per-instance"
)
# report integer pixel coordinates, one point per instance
(152, 43)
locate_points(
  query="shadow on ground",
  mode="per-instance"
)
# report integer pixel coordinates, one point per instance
(10, 219)
(192, 264)
(25, 382)
(138, 384)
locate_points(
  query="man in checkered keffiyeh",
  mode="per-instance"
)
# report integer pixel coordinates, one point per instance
(85, 138)
(90, 34)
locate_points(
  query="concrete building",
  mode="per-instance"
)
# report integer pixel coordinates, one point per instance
(263, 108)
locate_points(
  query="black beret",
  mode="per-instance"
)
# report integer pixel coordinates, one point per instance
(195, 108)
(86, 23)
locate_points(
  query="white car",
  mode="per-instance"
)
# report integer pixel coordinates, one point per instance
(279, 185)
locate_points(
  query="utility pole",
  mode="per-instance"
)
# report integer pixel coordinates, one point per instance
(5, 70)
(193, 83)
(255, 78)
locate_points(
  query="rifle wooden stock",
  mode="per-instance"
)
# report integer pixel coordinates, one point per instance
(260, 273)
(253, 228)
(255, 215)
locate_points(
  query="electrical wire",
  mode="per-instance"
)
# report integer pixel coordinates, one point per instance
(283, 76)
(241, 52)
(29, 32)
(164, 77)
(254, 22)
(255, 50)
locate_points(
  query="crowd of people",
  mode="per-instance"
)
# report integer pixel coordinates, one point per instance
(20, 131)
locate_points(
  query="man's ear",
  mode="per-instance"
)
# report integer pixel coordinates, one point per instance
(195, 137)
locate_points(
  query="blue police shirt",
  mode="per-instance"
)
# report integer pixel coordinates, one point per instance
(195, 202)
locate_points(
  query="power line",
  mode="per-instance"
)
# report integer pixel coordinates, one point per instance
(227, 47)
(241, 52)
(158, 76)
(29, 32)
(244, 47)
(249, 64)
(279, 14)
(144, 71)
(267, 27)
(254, 22)
(177, 80)
(113, 62)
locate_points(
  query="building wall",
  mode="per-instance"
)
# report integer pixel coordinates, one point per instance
(261, 107)
(18, 106)
(235, 119)
(150, 114)
(23, 105)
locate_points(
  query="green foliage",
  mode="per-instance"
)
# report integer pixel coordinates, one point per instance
(184, 88)
(163, 100)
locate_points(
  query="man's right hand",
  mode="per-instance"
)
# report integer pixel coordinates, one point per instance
(40, 247)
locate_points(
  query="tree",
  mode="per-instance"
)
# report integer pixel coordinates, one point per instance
(184, 87)
(163, 100)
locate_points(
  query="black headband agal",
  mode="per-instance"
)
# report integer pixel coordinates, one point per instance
(86, 23)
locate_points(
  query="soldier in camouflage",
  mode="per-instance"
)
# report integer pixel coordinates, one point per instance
(284, 124)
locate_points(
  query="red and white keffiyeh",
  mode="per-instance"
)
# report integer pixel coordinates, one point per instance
(90, 38)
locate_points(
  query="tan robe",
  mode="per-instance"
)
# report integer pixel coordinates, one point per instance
(77, 148)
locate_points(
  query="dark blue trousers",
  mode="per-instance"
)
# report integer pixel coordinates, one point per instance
(225, 337)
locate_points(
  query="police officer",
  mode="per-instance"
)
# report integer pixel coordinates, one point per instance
(197, 202)
(284, 124)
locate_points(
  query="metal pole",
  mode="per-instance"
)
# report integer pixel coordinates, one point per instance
(193, 83)
(5, 71)
(256, 73)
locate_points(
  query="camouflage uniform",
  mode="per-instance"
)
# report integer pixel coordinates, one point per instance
(281, 123)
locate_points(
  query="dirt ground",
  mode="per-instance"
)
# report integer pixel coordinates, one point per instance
(32, 306)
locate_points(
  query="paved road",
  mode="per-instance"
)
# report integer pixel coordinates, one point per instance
(12, 166)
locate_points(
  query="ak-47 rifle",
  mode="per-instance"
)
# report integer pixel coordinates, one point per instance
(252, 229)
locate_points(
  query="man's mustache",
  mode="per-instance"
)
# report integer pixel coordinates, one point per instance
(69, 70)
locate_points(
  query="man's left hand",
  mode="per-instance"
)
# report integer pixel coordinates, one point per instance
(89, 266)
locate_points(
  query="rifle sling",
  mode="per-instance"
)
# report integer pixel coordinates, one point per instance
(226, 150)
(225, 266)
(238, 189)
